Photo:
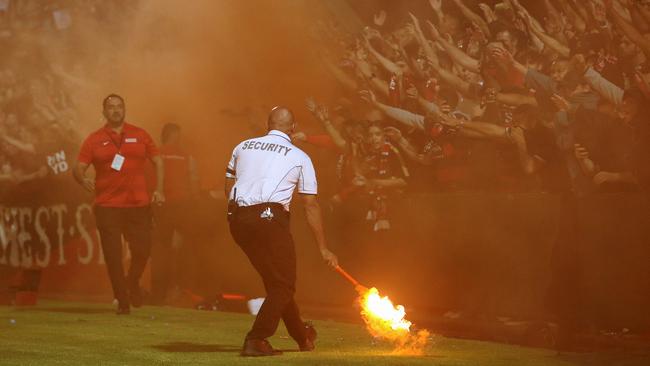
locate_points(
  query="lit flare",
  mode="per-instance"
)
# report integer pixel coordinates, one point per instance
(386, 321)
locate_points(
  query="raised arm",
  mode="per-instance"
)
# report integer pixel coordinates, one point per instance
(473, 17)
(505, 57)
(481, 130)
(549, 41)
(636, 17)
(395, 136)
(452, 79)
(520, 9)
(343, 78)
(408, 119)
(366, 72)
(429, 52)
(628, 29)
(580, 9)
(436, 5)
(432, 57)
(488, 13)
(387, 64)
(551, 10)
(578, 23)
(454, 52)
(409, 150)
(321, 113)
(429, 107)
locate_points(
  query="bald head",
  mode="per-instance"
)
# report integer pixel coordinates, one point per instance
(281, 119)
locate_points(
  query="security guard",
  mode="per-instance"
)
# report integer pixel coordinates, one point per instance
(261, 177)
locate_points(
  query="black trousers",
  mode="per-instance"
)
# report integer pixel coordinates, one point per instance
(269, 246)
(165, 265)
(134, 223)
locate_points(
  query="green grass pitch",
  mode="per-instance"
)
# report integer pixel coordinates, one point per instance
(63, 333)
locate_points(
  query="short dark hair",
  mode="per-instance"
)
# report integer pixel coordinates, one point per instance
(111, 96)
(167, 130)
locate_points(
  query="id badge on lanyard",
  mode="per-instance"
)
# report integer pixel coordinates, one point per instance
(118, 159)
(118, 162)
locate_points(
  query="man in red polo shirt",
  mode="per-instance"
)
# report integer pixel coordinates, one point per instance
(118, 152)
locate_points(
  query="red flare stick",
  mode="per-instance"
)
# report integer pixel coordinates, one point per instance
(359, 287)
(347, 276)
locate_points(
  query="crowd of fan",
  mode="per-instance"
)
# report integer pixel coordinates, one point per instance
(490, 98)
(39, 73)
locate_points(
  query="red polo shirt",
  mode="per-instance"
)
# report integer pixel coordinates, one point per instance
(177, 173)
(127, 187)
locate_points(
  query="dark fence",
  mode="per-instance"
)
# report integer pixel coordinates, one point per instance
(485, 255)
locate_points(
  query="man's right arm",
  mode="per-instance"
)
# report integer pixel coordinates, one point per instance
(83, 162)
(230, 182)
(315, 221)
(79, 174)
(231, 174)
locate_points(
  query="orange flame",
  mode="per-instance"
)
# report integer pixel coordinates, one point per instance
(386, 321)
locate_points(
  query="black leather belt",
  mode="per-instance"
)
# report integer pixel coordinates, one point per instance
(263, 209)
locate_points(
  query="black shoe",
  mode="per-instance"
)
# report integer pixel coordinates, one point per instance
(310, 338)
(258, 348)
(123, 309)
(135, 297)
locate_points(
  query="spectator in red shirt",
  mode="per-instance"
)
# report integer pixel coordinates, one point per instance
(118, 152)
(181, 183)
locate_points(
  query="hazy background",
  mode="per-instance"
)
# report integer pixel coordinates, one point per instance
(214, 67)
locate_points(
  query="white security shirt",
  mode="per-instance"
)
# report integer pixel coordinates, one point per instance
(268, 169)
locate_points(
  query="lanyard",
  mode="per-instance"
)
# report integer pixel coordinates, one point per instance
(117, 145)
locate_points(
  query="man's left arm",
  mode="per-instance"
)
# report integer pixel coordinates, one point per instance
(315, 222)
(158, 196)
(308, 188)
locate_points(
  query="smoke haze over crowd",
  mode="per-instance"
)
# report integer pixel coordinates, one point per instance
(204, 65)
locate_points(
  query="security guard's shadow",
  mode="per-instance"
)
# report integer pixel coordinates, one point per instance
(199, 348)
(187, 347)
